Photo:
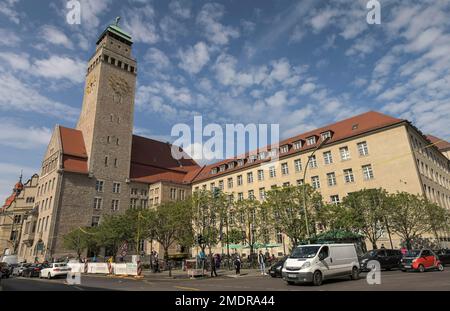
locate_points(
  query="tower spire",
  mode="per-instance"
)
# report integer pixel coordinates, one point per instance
(117, 20)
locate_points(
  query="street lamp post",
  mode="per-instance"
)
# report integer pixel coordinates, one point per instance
(304, 184)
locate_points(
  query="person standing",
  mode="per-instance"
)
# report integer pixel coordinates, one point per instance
(212, 261)
(237, 265)
(261, 262)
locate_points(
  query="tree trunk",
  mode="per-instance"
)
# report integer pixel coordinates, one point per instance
(166, 260)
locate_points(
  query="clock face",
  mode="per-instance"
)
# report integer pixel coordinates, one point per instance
(92, 81)
(119, 86)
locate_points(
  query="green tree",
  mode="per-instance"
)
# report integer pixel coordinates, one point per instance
(410, 216)
(79, 240)
(366, 213)
(208, 211)
(287, 207)
(171, 223)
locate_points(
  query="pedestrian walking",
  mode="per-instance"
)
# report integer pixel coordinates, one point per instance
(212, 261)
(261, 262)
(382, 246)
(237, 265)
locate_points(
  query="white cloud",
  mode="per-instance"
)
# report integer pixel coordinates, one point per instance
(18, 96)
(7, 9)
(277, 100)
(60, 67)
(323, 19)
(215, 32)
(91, 10)
(298, 34)
(307, 88)
(157, 58)
(16, 61)
(362, 47)
(18, 137)
(180, 8)
(55, 36)
(139, 22)
(171, 28)
(281, 70)
(9, 38)
(194, 58)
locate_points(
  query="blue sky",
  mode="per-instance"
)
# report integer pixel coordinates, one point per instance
(301, 64)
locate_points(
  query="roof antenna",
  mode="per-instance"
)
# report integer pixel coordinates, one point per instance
(117, 20)
(21, 174)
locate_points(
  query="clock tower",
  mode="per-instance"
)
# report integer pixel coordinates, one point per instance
(106, 118)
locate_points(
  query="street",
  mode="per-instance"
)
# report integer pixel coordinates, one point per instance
(390, 281)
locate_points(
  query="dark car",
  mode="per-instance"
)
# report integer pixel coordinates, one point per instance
(33, 270)
(444, 256)
(275, 269)
(388, 258)
(5, 270)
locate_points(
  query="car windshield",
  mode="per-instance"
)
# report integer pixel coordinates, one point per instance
(305, 252)
(412, 253)
(60, 264)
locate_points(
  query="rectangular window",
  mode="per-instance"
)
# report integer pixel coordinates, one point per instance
(363, 149)
(315, 182)
(262, 193)
(113, 61)
(326, 135)
(116, 163)
(125, 67)
(230, 183)
(331, 178)
(240, 196)
(240, 162)
(312, 162)
(299, 182)
(182, 194)
(367, 172)
(212, 186)
(222, 168)
(95, 221)
(284, 169)
(327, 158)
(286, 184)
(260, 175)
(116, 187)
(97, 203)
(348, 176)
(106, 161)
(298, 165)
(297, 145)
(272, 172)
(239, 180)
(249, 177)
(115, 205)
(119, 64)
(345, 153)
(99, 185)
(133, 203)
(311, 140)
(334, 199)
(284, 149)
(221, 187)
(251, 194)
(173, 193)
(134, 191)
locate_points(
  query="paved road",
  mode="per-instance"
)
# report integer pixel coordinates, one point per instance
(391, 281)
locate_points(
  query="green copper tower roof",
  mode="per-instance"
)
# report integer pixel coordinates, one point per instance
(116, 30)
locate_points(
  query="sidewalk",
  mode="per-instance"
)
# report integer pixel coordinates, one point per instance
(179, 274)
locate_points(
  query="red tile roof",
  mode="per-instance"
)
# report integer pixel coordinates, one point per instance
(441, 144)
(344, 129)
(74, 151)
(152, 161)
(9, 201)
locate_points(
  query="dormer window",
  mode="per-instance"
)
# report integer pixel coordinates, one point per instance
(214, 170)
(355, 126)
(262, 155)
(311, 140)
(297, 145)
(284, 149)
(240, 162)
(231, 165)
(222, 168)
(252, 158)
(326, 135)
(273, 152)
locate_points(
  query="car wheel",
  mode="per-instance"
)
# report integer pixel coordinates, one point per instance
(440, 267)
(421, 268)
(317, 278)
(49, 276)
(355, 273)
(290, 283)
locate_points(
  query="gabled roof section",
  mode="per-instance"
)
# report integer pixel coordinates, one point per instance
(441, 144)
(152, 161)
(357, 125)
(74, 151)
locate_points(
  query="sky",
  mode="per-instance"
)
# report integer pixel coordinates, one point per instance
(299, 64)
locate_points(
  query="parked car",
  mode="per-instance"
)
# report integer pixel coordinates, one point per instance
(275, 269)
(444, 256)
(34, 270)
(317, 262)
(388, 258)
(18, 270)
(421, 260)
(5, 270)
(54, 270)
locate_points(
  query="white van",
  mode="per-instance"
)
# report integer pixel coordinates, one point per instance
(317, 262)
(9, 259)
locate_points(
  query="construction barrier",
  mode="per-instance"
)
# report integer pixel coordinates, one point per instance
(126, 269)
(76, 267)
